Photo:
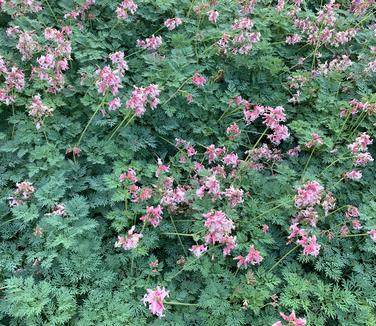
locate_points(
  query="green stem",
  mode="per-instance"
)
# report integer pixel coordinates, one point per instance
(121, 123)
(91, 119)
(355, 235)
(283, 257)
(177, 91)
(52, 12)
(306, 166)
(181, 303)
(255, 145)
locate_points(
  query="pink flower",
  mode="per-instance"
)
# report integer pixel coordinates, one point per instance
(125, 7)
(316, 140)
(129, 242)
(191, 151)
(108, 80)
(212, 152)
(356, 224)
(46, 61)
(155, 300)
(15, 78)
(198, 80)
(230, 244)
(372, 233)
(129, 175)
(361, 159)
(153, 215)
(353, 175)
(293, 152)
(352, 212)
(161, 168)
(234, 196)
(310, 246)
(189, 98)
(253, 257)
(172, 23)
(309, 194)
(233, 131)
(114, 104)
(293, 39)
(39, 111)
(231, 159)
(198, 250)
(293, 319)
(141, 97)
(218, 226)
(117, 58)
(213, 16)
(150, 43)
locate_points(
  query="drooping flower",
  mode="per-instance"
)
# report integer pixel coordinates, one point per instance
(309, 194)
(172, 23)
(130, 241)
(141, 97)
(234, 196)
(198, 80)
(372, 234)
(155, 299)
(218, 226)
(150, 43)
(39, 111)
(108, 80)
(353, 175)
(291, 319)
(198, 250)
(23, 193)
(153, 215)
(213, 16)
(125, 7)
(310, 245)
(253, 257)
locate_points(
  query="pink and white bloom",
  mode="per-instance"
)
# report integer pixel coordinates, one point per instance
(253, 257)
(310, 245)
(372, 234)
(353, 175)
(172, 23)
(198, 250)
(130, 241)
(213, 16)
(198, 80)
(153, 215)
(309, 194)
(150, 43)
(155, 299)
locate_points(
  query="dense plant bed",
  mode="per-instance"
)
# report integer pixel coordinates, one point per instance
(187, 162)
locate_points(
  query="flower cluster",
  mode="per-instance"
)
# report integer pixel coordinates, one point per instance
(23, 193)
(130, 241)
(291, 319)
(14, 80)
(80, 10)
(126, 6)
(39, 111)
(54, 62)
(308, 195)
(198, 80)
(155, 299)
(272, 118)
(253, 257)
(153, 215)
(141, 97)
(172, 23)
(219, 228)
(151, 43)
(241, 40)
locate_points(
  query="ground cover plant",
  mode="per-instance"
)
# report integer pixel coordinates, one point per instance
(187, 162)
